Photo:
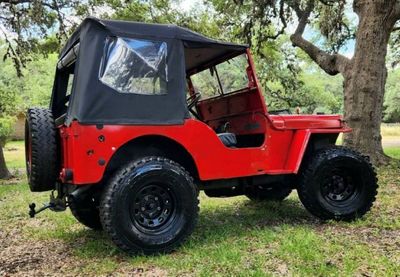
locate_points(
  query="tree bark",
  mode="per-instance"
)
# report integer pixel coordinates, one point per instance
(365, 78)
(4, 173)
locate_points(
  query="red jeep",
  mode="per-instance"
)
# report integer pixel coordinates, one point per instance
(143, 116)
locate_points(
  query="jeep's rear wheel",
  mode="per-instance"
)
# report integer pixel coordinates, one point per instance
(41, 151)
(276, 193)
(85, 210)
(339, 184)
(150, 206)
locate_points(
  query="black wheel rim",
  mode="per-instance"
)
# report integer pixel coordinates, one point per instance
(153, 207)
(340, 186)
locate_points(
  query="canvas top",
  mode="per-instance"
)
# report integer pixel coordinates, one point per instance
(131, 72)
(132, 28)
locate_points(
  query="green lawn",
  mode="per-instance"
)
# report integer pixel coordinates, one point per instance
(234, 237)
(14, 153)
(393, 152)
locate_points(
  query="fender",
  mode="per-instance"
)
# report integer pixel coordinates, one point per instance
(88, 149)
(300, 142)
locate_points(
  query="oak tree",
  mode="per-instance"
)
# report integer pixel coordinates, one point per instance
(364, 73)
(25, 26)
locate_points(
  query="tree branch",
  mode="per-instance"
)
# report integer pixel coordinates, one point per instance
(330, 63)
(283, 21)
(393, 13)
(15, 2)
(327, 2)
(303, 16)
(11, 52)
(56, 8)
(397, 10)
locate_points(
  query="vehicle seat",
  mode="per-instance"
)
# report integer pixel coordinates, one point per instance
(228, 139)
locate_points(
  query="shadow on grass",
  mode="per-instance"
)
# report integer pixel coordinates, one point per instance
(216, 224)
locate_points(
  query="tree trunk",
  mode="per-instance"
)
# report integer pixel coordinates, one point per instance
(364, 75)
(365, 78)
(4, 173)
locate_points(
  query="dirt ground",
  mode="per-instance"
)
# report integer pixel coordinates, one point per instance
(23, 257)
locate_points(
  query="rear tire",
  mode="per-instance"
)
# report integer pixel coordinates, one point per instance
(150, 206)
(41, 150)
(86, 211)
(278, 193)
(338, 183)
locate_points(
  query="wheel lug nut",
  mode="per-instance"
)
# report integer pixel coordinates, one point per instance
(158, 208)
(156, 198)
(143, 209)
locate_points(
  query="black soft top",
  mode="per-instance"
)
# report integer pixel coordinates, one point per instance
(208, 50)
(93, 102)
(150, 30)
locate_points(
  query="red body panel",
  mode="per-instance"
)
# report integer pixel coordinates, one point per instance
(84, 149)
(87, 149)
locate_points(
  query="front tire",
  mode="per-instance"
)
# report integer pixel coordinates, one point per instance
(338, 183)
(150, 206)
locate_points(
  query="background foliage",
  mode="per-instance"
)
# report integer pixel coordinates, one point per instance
(19, 93)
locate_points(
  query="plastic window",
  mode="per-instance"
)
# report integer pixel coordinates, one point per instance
(224, 78)
(232, 74)
(206, 83)
(135, 66)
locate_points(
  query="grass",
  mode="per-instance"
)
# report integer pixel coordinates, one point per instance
(14, 153)
(390, 130)
(393, 152)
(234, 237)
(390, 136)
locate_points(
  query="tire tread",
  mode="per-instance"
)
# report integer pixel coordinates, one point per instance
(44, 163)
(307, 173)
(108, 196)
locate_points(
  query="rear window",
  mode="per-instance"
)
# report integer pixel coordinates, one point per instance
(135, 66)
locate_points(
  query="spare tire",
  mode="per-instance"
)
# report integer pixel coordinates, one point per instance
(41, 150)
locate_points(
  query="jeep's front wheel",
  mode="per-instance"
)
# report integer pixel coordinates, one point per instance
(338, 183)
(150, 206)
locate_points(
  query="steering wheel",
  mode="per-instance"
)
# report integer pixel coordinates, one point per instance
(192, 100)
